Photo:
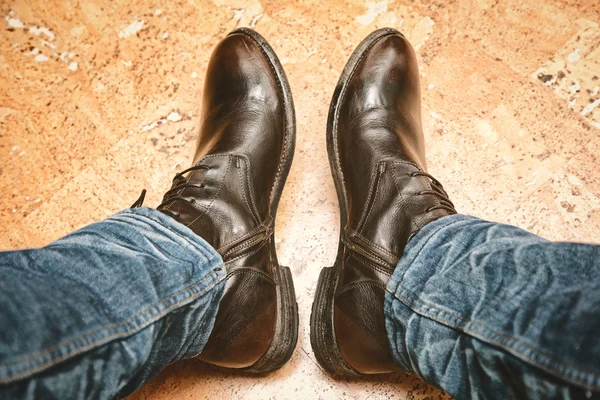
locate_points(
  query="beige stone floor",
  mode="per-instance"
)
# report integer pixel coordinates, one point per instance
(99, 100)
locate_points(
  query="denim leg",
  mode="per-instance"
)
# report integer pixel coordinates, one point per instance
(485, 310)
(99, 312)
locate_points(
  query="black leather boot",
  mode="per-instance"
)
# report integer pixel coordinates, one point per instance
(377, 157)
(229, 197)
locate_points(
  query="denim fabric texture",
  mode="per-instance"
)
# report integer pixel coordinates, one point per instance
(479, 309)
(99, 312)
(485, 310)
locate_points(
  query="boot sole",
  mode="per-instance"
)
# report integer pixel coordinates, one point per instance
(322, 330)
(286, 326)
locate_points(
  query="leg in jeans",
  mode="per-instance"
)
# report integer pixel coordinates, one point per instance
(485, 310)
(479, 309)
(99, 312)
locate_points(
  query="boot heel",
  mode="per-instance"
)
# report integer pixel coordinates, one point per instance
(286, 331)
(322, 333)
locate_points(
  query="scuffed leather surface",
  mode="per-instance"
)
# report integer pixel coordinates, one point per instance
(379, 145)
(240, 142)
(245, 323)
(242, 112)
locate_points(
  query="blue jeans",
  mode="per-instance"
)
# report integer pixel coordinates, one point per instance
(97, 313)
(485, 310)
(476, 308)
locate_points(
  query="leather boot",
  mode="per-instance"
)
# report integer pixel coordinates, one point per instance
(377, 157)
(229, 197)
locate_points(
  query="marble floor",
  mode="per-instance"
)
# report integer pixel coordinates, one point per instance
(99, 99)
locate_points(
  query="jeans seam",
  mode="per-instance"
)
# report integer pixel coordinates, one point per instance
(502, 344)
(397, 284)
(400, 359)
(189, 296)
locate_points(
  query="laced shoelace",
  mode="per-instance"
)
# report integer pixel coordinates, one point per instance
(179, 182)
(445, 203)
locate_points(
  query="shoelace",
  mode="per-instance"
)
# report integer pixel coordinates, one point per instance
(445, 203)
(178, 184)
